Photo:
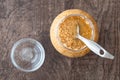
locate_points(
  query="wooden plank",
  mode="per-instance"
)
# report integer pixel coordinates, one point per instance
(32, 18)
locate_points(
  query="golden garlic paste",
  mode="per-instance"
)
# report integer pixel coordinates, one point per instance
(68, 30)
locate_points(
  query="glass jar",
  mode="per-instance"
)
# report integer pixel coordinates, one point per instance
(55, 32)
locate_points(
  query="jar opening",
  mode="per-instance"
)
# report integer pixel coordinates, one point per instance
(63, 36)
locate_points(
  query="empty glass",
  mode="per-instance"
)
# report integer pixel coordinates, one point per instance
(27, 55)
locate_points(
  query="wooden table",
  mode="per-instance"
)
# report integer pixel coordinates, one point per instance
(33, 18)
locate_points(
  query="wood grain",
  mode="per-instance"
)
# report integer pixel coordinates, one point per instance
(32, 18)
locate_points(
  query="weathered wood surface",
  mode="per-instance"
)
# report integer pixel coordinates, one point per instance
(32, 18)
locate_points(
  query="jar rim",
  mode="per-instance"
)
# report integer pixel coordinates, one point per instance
(86, 19)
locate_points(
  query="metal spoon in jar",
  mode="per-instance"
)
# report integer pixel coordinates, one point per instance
(93, 46)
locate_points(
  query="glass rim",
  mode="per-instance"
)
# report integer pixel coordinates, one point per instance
(40, 62)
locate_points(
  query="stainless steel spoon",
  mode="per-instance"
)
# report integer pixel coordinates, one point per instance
(93, 46)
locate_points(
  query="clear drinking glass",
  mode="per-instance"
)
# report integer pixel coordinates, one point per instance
(27, 55)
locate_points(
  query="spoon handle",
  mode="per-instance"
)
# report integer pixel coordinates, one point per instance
(96, 48)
